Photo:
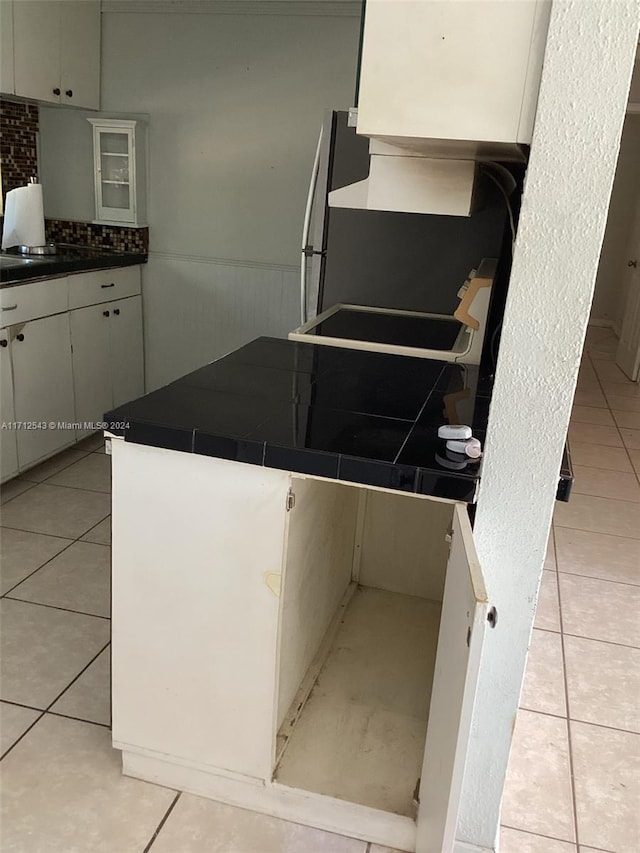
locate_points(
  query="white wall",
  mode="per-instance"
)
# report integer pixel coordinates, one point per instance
(65, 161)
(610, 296)
(587, 67)
(235, 104)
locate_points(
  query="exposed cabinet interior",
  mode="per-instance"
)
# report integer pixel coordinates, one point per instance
(360, 736)
(359, 651)
(359, 633)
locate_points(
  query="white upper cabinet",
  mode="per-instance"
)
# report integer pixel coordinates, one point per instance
(56, 52)
(80, 53)
(6, 46)
(456, 70)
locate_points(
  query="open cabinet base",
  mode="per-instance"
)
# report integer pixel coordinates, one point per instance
(303, 648)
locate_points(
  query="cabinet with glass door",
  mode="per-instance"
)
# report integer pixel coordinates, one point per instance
(118, 152)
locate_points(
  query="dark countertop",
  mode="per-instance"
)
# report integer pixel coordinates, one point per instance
(360, 417)
(68, 259)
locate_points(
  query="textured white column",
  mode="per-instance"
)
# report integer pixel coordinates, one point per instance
(589, 57)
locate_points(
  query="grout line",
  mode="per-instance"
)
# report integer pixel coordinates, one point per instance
(74, 488)
(594, 578)
(602, 580)
(21, 705)
(77, 719)
(542, 713)
(28, 489)
(597, 640)
(25, 476)
(36, 533)
(162, 823)
(22, 580)
(541, 835)
(55, 607)
(617, 500)
(577, 720)
(73, 681)
(418, 416)
(77, 539)
(25, 732)
(71, 542)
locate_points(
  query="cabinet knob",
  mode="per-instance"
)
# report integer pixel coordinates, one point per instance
(20, 337)
(56, 91)
(116, 311)
(69, 93)
(105, 313)
(4, 343)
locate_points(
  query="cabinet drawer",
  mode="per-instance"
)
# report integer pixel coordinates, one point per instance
(36, 299)
(91, 288)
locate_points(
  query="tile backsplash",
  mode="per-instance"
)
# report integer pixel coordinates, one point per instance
(18, 154)
(117, 238)
(18, 151)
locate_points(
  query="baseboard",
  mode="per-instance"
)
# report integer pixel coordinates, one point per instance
(295, 805)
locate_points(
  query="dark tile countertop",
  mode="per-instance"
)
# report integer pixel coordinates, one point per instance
(68, 259)
(361, 417)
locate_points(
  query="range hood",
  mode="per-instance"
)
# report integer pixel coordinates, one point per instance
(405, 181)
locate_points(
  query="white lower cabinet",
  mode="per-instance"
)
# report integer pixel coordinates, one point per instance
(107, 357)
(298, 647)
(62, 366)
(125, 349)
(43, 387)
(8, 445)
(91, 364)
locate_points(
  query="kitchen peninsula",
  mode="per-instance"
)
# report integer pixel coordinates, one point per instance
(298, 612)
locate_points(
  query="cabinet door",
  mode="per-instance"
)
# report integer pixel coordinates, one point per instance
(80, 53)
(462, 627)
(127, 360)
(43, 385)
(7, 85)
(36, 40)
(91, 360)
(115, 173)
(8, 447)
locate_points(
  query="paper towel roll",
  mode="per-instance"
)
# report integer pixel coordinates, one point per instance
(23, 217)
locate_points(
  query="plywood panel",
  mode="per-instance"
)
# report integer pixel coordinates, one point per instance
(318, 570)
(404, 548)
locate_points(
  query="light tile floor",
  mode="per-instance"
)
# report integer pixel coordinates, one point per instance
(573, 784)
(573, 777)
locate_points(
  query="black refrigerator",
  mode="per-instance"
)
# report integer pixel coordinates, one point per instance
(406, 261)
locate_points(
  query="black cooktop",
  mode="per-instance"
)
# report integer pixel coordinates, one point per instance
(397, 329)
